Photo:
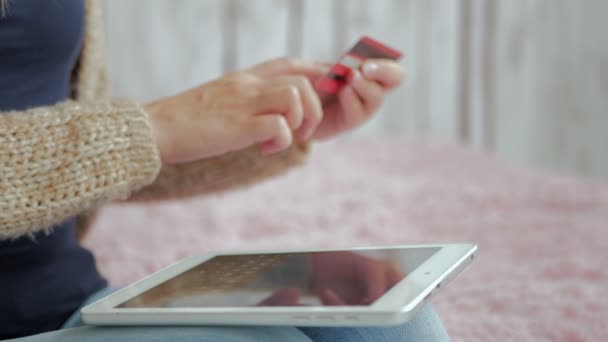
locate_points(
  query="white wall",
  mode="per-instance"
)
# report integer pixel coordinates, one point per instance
(526, 78)
(551, 83)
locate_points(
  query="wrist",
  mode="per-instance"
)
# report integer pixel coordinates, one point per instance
(153, 112)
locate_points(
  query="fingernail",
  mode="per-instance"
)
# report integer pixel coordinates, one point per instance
(370, 69)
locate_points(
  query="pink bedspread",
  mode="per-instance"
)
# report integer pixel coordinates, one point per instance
(541, 274)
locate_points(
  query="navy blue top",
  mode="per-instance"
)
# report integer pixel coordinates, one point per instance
(43, 279)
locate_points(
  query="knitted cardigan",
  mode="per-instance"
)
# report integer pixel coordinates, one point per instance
(68, 159)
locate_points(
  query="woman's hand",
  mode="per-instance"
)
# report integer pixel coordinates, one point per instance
(360, 98)
(342, 278)
(346, 278)
(260, 105)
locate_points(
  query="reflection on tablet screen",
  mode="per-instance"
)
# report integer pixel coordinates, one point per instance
(289, 279)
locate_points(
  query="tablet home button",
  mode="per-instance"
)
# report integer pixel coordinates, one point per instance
(327, 318)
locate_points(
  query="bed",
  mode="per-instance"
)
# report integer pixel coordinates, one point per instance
(541, 274)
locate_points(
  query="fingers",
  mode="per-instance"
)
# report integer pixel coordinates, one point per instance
(280, 98)
(294, 97)
(330, 298)
(311, 105)
(353, 111)
(283, 297)
(370, 92)
(313, 109)
(374, 281)
(377, 277)
(291, 98)
(360, 99)
(272, 131)
(387, 73)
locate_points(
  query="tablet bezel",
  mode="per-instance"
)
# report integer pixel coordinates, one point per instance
(394, 307)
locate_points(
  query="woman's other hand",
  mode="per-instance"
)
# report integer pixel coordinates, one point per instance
(346, 278)
(360, 99)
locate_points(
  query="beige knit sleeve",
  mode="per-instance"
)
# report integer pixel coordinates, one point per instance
(225, 172)
(58, 161)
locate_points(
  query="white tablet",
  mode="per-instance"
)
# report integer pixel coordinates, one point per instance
(347, 287)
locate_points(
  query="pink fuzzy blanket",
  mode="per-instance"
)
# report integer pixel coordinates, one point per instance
(541, 271)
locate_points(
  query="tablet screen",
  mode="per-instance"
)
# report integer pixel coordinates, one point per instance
(289, 279)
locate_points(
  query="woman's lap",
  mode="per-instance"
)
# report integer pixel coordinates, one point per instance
(425, 326)
(170, 334)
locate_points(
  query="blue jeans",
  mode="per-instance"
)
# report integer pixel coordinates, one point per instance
(426, 326)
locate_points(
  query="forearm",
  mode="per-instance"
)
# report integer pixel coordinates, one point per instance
(58, 161)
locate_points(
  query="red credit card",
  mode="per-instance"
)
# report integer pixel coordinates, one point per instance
(365, 48)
